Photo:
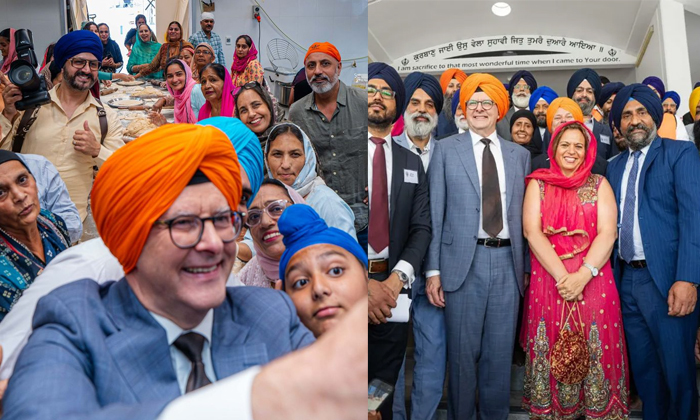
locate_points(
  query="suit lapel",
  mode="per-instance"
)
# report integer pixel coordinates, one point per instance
(140, 348)
(398, 163)
(509, 165)
(616, 175)
(654, 150)
(229, 351)
(466, 155)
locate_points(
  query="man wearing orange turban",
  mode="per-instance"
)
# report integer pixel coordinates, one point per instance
(164, 206)
(450, 81)
(475, 267)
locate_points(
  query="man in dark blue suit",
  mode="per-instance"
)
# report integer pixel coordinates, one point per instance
(657, 187)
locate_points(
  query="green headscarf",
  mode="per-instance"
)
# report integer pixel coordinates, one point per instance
(144, 53)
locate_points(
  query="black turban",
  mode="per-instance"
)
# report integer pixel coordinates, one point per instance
(429, 84)
(6, 156)
(535, 145)
(391, 77)
(581, 75)
(522, 74)
(609, 90)
(644, 95)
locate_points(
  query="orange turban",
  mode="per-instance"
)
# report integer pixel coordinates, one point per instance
(566, 103)
(449, 74)
(491, 86)
(323, 47)
(141, 180)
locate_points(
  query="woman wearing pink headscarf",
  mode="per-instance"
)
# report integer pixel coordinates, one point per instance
(246, 68)
(7, 48)
(184, 95)
(218, 92)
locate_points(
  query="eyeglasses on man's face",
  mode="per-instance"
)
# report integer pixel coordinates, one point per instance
(79, 63)
(385, 92)
(486, 104)
(186, 231)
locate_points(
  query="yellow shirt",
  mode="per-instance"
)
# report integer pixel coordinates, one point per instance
(51, 136)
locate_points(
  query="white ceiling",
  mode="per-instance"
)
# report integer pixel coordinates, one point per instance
(400, 27)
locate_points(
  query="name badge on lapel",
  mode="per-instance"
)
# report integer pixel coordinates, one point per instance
(410, 177)
(605, 139)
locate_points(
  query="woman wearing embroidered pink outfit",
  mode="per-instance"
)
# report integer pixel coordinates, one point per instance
(570, 222)
(218, 92)
(246, 68)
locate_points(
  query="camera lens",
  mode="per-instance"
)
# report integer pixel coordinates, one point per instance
(22, 75)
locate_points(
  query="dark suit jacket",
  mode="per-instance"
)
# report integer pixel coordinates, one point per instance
(409, 217)
(669, 202)
(444, 128)
(96, 353)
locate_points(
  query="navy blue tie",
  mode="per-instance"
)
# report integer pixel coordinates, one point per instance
(627, 228)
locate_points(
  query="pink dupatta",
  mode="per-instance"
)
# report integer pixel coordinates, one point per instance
(11, 55)
(183, 105)
(228, 104)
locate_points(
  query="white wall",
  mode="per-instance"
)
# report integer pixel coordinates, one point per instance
(45, 18)
(340, 22)
(652, 63)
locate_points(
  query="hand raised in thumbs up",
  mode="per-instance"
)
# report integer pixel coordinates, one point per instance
(85, 142)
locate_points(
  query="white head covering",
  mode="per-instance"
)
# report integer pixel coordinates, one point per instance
(207, 15)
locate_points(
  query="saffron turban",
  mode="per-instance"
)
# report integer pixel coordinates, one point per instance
(455, 100)
(301, 227)
(542, 92)
(387, 73)
(142, 179)
(657, 83)
(74, 43)
(323, 47)
(644, 95)
(566, 103)
(449, 74)
(581, 75)
(609, 90)
(489, 85)
(247, 147)
(693, 101)
(429, 84)
(675, 97)
(522, 74)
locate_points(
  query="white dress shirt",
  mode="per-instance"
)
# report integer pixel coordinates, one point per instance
(542, 130)
(424, 154)
(403, 266)
(636, 233)
(181, 364)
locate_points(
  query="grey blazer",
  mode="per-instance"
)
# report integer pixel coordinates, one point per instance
(455, 205)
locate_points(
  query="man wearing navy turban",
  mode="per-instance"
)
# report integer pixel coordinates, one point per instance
(522, 85)
(656, 183)
(68, 130)
(606, 98)
(424, 103)
(585, 88)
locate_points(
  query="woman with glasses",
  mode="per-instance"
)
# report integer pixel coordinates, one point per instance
(218, 92)
(203, 54)
(256, 108)
(143, 52)
(267, 207)
(246, 68)
(170, 49)
(291, 159)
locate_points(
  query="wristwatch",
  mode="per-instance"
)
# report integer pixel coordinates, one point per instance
(594, 271)
(402, 276)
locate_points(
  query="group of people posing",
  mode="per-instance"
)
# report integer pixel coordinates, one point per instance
(580, 210)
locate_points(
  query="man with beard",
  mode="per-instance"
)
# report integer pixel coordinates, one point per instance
(657, 188)
(671, 101)
(672, 127)
(539, 103)
(460, 118)
(424, 102)
(520, 88)
(693, 128)
(65, 130)
(606, 98)
(450, 81)
(208, 35)
(334, 118)
(584, 88)
(399, 230)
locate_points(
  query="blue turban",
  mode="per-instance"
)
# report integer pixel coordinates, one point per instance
(522, 74)
(581, 75)
(609, 90)
(247, 147)
(657, 83)
(644, 95)
(674, 96)
(391, 77)
(542, 92)
(429, 84)
(455, 101)
(74, 43)
(302, 227)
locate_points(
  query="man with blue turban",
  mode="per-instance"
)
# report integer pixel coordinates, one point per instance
(522, 85)
(655, 259)
(671, 101)
(606, 98)
(74, 131)
(397, 240)
(539, 103)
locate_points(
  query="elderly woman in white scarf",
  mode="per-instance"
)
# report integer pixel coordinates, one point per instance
(291, 159)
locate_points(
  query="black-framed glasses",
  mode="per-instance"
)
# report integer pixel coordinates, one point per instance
(274, 210)
(79, 63)
(385, 92)
(186, 231)
(486, 104)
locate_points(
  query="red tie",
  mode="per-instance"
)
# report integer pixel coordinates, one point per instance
(379, 207)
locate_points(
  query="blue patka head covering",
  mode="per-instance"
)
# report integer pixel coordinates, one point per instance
(674, 96)
(521, 74)
(581, 75)
(609, 90)
(387, 73)
(74, 43)
(542, 92)
(429, 84)
(302, 227)
(644, 95)
(247, 147)
(657, 83)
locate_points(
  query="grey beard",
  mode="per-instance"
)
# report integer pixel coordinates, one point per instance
(326, 87)
(419, 129)
(462, 123)
(447, 107)
(586, 109)
(635, 144)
